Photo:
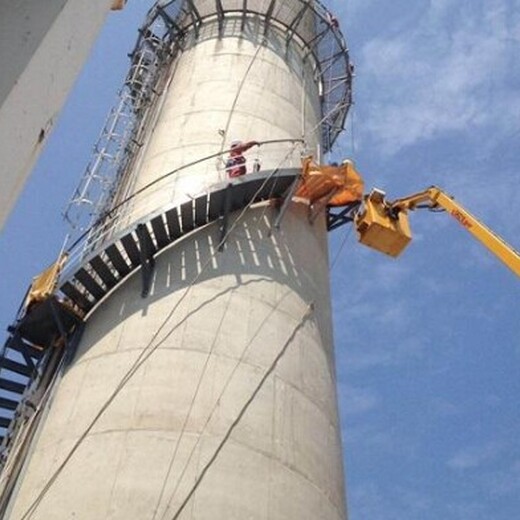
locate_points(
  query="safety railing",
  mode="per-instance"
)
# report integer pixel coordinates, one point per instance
(159, 195)
(120, 138)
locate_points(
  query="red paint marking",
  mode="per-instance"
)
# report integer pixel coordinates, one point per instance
(461, 218)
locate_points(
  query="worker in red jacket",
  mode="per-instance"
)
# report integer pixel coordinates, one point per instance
(236, 162)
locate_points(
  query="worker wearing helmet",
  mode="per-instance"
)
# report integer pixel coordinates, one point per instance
(236, 162)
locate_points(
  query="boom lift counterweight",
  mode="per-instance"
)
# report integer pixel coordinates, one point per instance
(383, 225)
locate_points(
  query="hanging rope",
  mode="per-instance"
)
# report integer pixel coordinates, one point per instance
(239, 91)
(342, 245)
(238, 418)
(147, 351)
(244, 79)
(192, 403)
(238, 363)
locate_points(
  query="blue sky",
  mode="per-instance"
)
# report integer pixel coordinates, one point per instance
(428, 355)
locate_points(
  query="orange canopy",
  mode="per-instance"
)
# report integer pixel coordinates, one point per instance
(340, 184)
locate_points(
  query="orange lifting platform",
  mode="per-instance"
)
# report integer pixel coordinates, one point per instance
(335, 185)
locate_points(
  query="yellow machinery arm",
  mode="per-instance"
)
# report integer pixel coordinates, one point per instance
(383, 225)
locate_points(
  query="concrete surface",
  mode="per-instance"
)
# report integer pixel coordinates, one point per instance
(208, 82)
(283, 461)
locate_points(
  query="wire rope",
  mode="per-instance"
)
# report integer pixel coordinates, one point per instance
(342, 245)
(147, 351)
(239, 91)
(192, 403)
(236, 421)
(243, 81)
(218, 400)
(224, 136)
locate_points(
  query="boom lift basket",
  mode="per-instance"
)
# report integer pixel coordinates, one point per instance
(381, 230)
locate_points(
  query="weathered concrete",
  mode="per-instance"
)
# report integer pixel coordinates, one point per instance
(43, 45)
(283, 461)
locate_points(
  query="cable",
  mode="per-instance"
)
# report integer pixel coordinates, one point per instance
(244, 78)
(221, 394)
(236, 421)
(224, 136)
(162, 177)
(217, 402)
(345, 238)
(239, 91)
(148, 350)
(192, 403)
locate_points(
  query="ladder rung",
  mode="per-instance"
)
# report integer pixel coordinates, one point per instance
(5, 422)
(14, 366)
(17, 344)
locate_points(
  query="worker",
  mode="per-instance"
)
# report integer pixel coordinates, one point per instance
(332, 20)
(236, 162)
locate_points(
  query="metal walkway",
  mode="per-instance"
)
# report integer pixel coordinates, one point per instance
(106, 266)
(35, 337)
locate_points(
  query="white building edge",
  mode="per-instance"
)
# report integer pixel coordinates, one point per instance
(42, 50)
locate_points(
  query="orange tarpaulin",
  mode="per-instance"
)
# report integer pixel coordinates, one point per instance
(44, 285)
(117, 5)
(340, 184)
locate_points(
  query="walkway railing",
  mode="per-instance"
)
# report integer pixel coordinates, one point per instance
(158, 195)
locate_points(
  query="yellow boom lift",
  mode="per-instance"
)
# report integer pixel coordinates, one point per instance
(384, 226)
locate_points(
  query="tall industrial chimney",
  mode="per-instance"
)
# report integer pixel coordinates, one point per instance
(203, 385)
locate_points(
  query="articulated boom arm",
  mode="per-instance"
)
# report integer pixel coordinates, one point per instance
(488, 238)
(384, 225)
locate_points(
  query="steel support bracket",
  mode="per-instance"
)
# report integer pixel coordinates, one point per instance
(345, 216)
(220, 16)
(146, 252)
(287, 198)
(317, 207)
(224, 217)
